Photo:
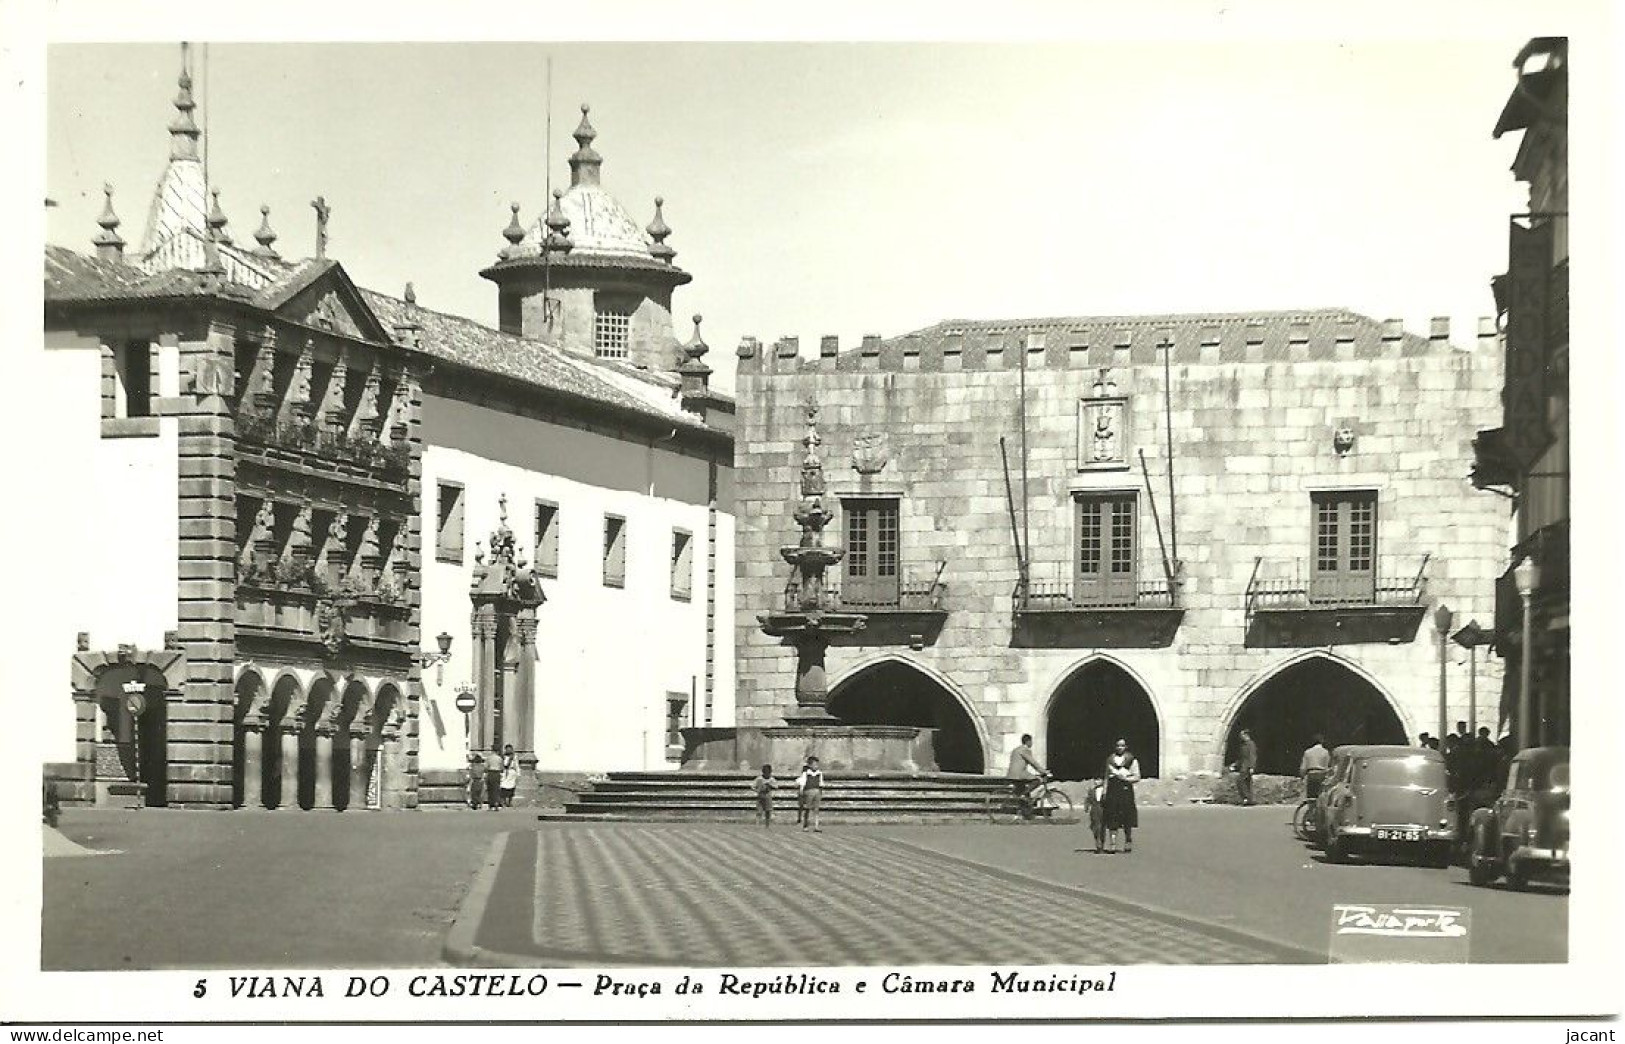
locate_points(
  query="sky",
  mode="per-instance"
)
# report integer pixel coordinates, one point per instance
(850, 188)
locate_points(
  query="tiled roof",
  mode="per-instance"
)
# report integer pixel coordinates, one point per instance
(74, 277)
(1277, 330)
(471, 344)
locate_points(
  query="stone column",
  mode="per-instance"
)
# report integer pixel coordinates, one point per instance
(253, 764)
(485, 668)
(392, 782)
(323, 797)
(522, 699)
(288, 793)
(360, 770)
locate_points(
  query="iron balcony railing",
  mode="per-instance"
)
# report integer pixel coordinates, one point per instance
(1050, 592)
(262, 428)
(911, 594)
(1395, 582)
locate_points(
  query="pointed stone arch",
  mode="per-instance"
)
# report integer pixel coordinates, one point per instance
(1096, 700)
(1350, 705)
(904, 691)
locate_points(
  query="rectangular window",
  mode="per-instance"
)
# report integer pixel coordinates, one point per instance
(1344, 559)
(1105, 568)
(135, 379)
(614, 551)
(873, 552)
(611, 328)
(682, 564)
(547, 538)
(448, 541)
(676, 716)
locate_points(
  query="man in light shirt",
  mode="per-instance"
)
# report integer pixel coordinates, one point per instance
(1312, 768)
(1024, 768)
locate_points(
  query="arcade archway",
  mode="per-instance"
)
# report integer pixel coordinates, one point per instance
(1317, 695)
(892, 692)
(1096, 705)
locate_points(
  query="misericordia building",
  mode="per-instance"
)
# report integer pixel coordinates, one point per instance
(313, 513)
(1163, 528)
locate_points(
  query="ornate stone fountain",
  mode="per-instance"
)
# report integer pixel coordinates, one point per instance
(810, 621)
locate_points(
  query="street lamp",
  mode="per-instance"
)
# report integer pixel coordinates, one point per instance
(1441, 619)
(1470, 637)
(438, 660)
(1526, 575)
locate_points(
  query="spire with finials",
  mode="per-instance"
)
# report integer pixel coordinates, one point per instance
(585, 164)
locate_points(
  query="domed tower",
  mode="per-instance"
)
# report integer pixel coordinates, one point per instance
(585, 277)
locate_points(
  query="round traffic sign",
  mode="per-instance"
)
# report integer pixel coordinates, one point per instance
(465, 702)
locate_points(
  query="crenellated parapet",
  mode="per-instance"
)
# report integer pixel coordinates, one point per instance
(1117, 342)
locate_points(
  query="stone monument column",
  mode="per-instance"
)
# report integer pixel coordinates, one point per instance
(523, 708)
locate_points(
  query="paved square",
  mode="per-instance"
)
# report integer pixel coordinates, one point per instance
(723, 895)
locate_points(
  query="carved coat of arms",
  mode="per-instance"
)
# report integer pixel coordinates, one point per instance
(871, 452)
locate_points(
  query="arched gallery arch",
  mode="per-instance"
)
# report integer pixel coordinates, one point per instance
(1097, 702)
(892, 690)
(1314, 692)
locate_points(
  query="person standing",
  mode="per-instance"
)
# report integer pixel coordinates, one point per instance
(1023, 769)
(762, 786)
(810, 784)
(476, 780)
(493, 777)
(1122, 772)
(1246, 766)
(1313, 765)
(510, 775)
(801, 794)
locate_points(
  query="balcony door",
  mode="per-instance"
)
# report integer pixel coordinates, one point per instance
(1344, 562)
(872, 573)
(1105, 563)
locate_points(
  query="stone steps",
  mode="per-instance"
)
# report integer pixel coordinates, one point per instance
(847, 797)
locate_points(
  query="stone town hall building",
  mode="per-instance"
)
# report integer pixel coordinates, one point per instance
(321, 510)
(1320, 514)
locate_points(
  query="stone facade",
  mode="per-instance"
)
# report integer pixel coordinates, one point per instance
(258, 589)
(1268, 413)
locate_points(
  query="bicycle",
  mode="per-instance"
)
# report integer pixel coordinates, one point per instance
(1306, 817)
(1306, 820)
(1041, 800)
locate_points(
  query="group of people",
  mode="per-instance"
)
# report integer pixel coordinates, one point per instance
(1475, 766)
(809, 795)
(493, 777)
(1110, 802)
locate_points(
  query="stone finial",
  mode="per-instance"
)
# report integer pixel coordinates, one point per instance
(183, 130)
(585, 164)
(696, 376)
(410, 295)
(265, 236)
(658, 231)
(217, 219)
(323, 212)
(514, 233)
(558, 226)
(109, 244)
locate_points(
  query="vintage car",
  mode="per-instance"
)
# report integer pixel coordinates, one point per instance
(1525, 833)
(1387, 800)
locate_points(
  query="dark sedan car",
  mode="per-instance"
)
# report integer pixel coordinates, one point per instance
(1525, 833)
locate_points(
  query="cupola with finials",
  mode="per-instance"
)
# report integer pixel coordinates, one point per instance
(585, 277)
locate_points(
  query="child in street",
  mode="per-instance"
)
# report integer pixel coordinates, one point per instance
(801, 794)
(763, 787)
(810, 784)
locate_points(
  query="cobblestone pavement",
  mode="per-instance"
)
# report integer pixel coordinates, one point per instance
(716, 894)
